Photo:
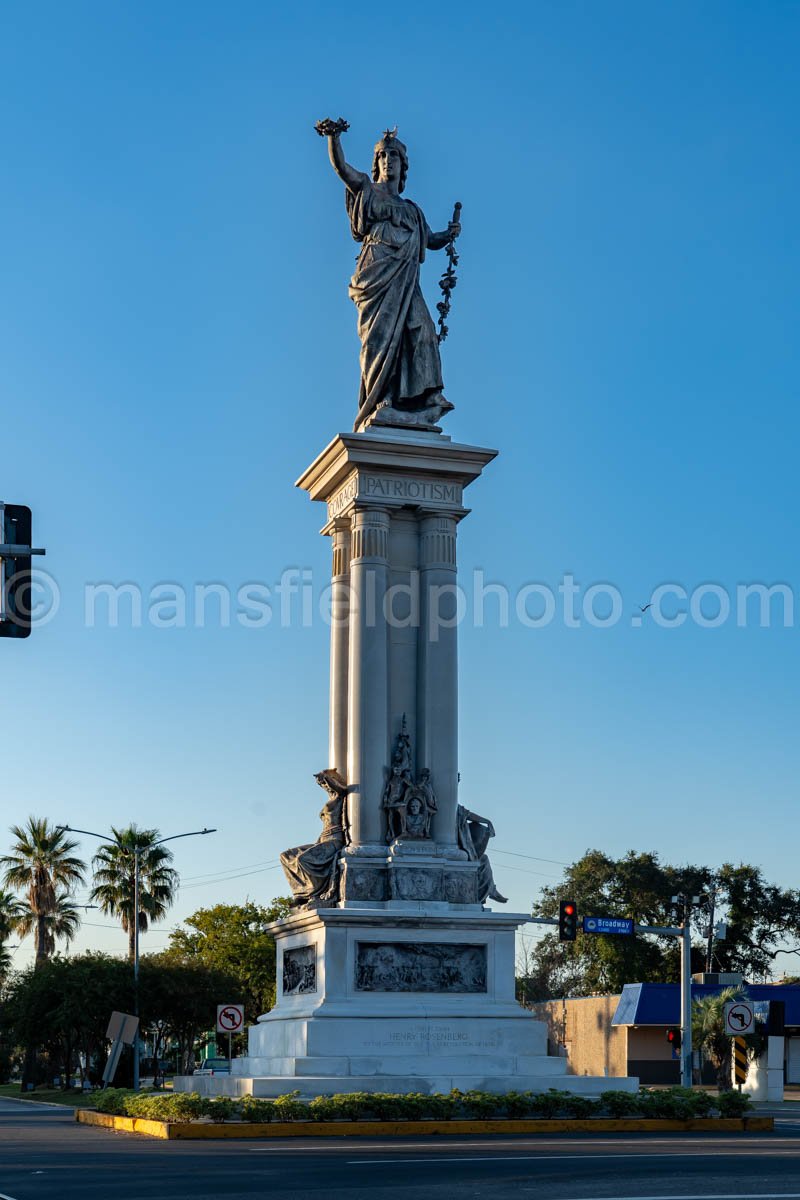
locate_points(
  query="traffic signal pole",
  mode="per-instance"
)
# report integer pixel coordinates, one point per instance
(684, 933)
(16, 604)
(686, 996)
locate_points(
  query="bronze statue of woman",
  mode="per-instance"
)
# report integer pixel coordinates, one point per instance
(312, 870)
(401, 371)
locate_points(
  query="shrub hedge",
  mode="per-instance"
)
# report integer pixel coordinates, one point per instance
(674, 1103)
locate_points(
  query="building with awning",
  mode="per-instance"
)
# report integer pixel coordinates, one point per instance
(627, 1034)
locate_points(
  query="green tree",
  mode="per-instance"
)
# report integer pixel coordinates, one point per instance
(42, 866)
(61, 1009)
(763, 922)
(114, 866)
(232, 938)
(178, 1001)
(636, 886)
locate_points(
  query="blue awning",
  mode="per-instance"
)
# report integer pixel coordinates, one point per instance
(660, 1003)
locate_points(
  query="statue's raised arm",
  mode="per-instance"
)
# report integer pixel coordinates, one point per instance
(401, 371)
(332, 130)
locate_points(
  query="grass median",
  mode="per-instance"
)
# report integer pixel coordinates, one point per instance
(72, 1097)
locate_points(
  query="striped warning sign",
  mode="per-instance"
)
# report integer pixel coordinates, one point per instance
(739, 1059)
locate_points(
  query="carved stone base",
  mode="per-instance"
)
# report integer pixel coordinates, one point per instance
(411, 872)
(398, 998)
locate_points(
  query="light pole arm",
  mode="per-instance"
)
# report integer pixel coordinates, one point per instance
(103, 837)
(175, 836)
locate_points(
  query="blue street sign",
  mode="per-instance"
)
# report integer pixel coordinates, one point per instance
(608, 925)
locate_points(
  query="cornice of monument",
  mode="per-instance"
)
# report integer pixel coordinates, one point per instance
(406, 915)
(405, 454)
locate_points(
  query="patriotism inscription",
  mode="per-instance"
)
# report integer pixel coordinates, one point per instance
(398, 489)
(420, 967)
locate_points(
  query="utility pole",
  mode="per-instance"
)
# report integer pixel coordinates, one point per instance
(688, 903)
(136, 1055)
(712, 904)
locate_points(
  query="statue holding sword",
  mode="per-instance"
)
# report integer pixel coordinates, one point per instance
(401, 372)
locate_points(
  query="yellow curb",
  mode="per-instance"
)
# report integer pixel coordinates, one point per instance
(759, 1124)
(156, 1129)
(196, 1131)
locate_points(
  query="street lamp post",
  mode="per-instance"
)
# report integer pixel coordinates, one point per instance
(136, 849)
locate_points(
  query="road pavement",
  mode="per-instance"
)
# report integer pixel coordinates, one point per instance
(45, 1155)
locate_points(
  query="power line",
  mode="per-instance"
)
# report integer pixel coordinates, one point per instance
(534, 857)
(227, 878)
(245, 867)
(528, 871)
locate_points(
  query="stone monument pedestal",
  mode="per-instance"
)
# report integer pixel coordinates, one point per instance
(392, 976)
(404, 997)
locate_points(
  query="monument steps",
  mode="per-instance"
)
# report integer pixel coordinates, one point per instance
(407, 1064)
(327, 1085)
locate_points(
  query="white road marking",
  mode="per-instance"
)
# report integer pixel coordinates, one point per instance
(335, 1145)
(3, 1196)
(465, 1158)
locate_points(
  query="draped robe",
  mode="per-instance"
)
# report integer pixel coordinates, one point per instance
(400, 360)
(311, 869)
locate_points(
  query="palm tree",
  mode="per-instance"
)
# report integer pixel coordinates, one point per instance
(113, 867)
(10, 911)
(60, 924)
(708, 1031)
(41, 864)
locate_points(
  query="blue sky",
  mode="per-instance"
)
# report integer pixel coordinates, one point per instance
(176, 345)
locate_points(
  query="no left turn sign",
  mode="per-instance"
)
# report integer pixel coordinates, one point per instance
(230, 1018)
(739, 1018)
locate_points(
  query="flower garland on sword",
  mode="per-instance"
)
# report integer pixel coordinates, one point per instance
(449, 279)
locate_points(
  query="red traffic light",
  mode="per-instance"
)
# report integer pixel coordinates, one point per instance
(567, 921)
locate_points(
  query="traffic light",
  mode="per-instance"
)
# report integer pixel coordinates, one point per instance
(16, 600)
(674, 1038)
(567, 921)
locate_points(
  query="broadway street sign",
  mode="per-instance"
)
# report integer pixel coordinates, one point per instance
(608, 925)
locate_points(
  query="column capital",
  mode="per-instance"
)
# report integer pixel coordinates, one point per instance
(369, 534)
(437, 541)
(340, 538)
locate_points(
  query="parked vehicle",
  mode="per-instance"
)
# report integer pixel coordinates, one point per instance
(214, 1066)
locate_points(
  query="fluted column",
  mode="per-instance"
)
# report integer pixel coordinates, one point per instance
(437, 689)
(368, 681)
(340, 617)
